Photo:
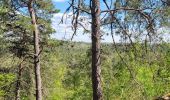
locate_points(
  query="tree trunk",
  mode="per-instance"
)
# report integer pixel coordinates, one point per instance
(18, 84)
(36, 52)
(96, 77)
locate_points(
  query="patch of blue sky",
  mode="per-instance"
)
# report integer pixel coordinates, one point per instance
(64, 31)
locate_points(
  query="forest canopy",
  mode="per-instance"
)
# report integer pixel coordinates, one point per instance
(33, 65)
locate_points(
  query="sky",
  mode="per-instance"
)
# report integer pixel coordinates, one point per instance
(61, 4)
(64, 31)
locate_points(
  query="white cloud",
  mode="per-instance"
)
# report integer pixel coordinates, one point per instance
(65, 32)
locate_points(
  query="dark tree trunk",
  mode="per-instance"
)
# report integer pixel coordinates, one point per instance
(18, 84)
(96, 70)
(36, 52)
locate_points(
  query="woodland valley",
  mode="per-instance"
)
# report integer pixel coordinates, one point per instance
(34, 66)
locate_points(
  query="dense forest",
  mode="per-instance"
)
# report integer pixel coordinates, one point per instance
(35, 66)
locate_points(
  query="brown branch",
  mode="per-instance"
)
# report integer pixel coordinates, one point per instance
(83, 27)
(78, 8)
(66, 12)
(121, 8)
(75, 24)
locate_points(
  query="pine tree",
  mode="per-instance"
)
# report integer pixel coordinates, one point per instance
(36, 51)
(96, 70)
(21, 34)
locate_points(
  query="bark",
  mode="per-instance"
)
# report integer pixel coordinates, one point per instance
(18, 84)
(96, 70)
(36, 52)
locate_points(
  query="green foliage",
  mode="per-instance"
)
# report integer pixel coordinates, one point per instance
(53, 72)
(66, 74)
(6, 81)
(128, 73)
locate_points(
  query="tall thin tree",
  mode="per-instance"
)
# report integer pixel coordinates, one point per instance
(36, 51)
(94, 12)
(95, 36)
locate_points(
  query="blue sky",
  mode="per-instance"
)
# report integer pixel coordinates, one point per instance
(64, 31)
(61, 4)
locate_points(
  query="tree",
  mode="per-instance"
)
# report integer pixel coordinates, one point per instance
(95, 35)
(121, 17)
(36, 51)
(17, 41)
(40, 23)
(94, 12)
